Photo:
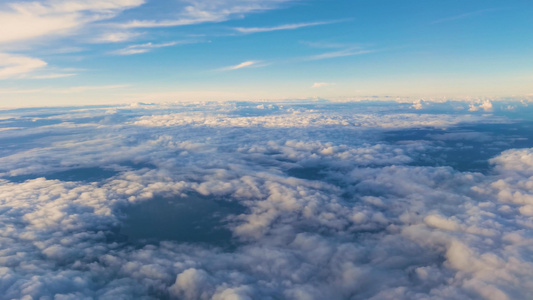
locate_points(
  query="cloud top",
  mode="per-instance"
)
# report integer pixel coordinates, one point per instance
(368, 204)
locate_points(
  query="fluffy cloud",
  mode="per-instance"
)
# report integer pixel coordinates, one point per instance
(298, 118)
(484, 105)
(321, 84)
(329, 211)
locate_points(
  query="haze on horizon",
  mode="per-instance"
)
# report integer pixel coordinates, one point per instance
(58, 52)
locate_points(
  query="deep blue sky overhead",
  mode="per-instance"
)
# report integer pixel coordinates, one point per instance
(59, 52)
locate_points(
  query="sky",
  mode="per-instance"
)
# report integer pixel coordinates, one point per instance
(232, 150)
(58, 52)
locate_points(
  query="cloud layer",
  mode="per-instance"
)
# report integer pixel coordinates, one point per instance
(363, 206)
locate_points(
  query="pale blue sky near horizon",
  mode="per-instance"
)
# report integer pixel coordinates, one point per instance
(58, 52)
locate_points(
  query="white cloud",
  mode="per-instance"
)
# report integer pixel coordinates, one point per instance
(515, 161)
(116, 37)
(144, 48)
(418, 104)
(340, 53)
(321, 84)
(330, 211)
(53, 75)
(196, 12)
(245, 64)
(485, 105)
(17, 66)
(280, 27)
(26, 21)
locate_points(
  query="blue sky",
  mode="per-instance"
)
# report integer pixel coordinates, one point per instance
(57, 52)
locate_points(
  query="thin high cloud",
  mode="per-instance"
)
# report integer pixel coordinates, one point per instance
(244, 64)
(116, 37)
(340, 53)
(342, 50)
(24, 24)
(53, 75)
(204, 11)
(465, 15)
(18, 66)
(147, 47)
(28, 21)
(247, 30)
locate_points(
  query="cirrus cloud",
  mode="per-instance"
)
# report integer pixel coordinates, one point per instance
(26, 21)
(16, 66)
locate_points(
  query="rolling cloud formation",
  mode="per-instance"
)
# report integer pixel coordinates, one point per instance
(336, 201)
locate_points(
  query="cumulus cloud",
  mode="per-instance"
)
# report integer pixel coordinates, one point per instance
(485, 105)
(328, 211)
(294, 118)
(418, 104)
(321, 84)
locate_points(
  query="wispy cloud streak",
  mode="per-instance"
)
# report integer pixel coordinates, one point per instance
(280, 27)
(54, 76)
(339, 53)
(464, 15)
(25, 21)
(16, 66)
(144, 48)
(245, 64)
(203, 11)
